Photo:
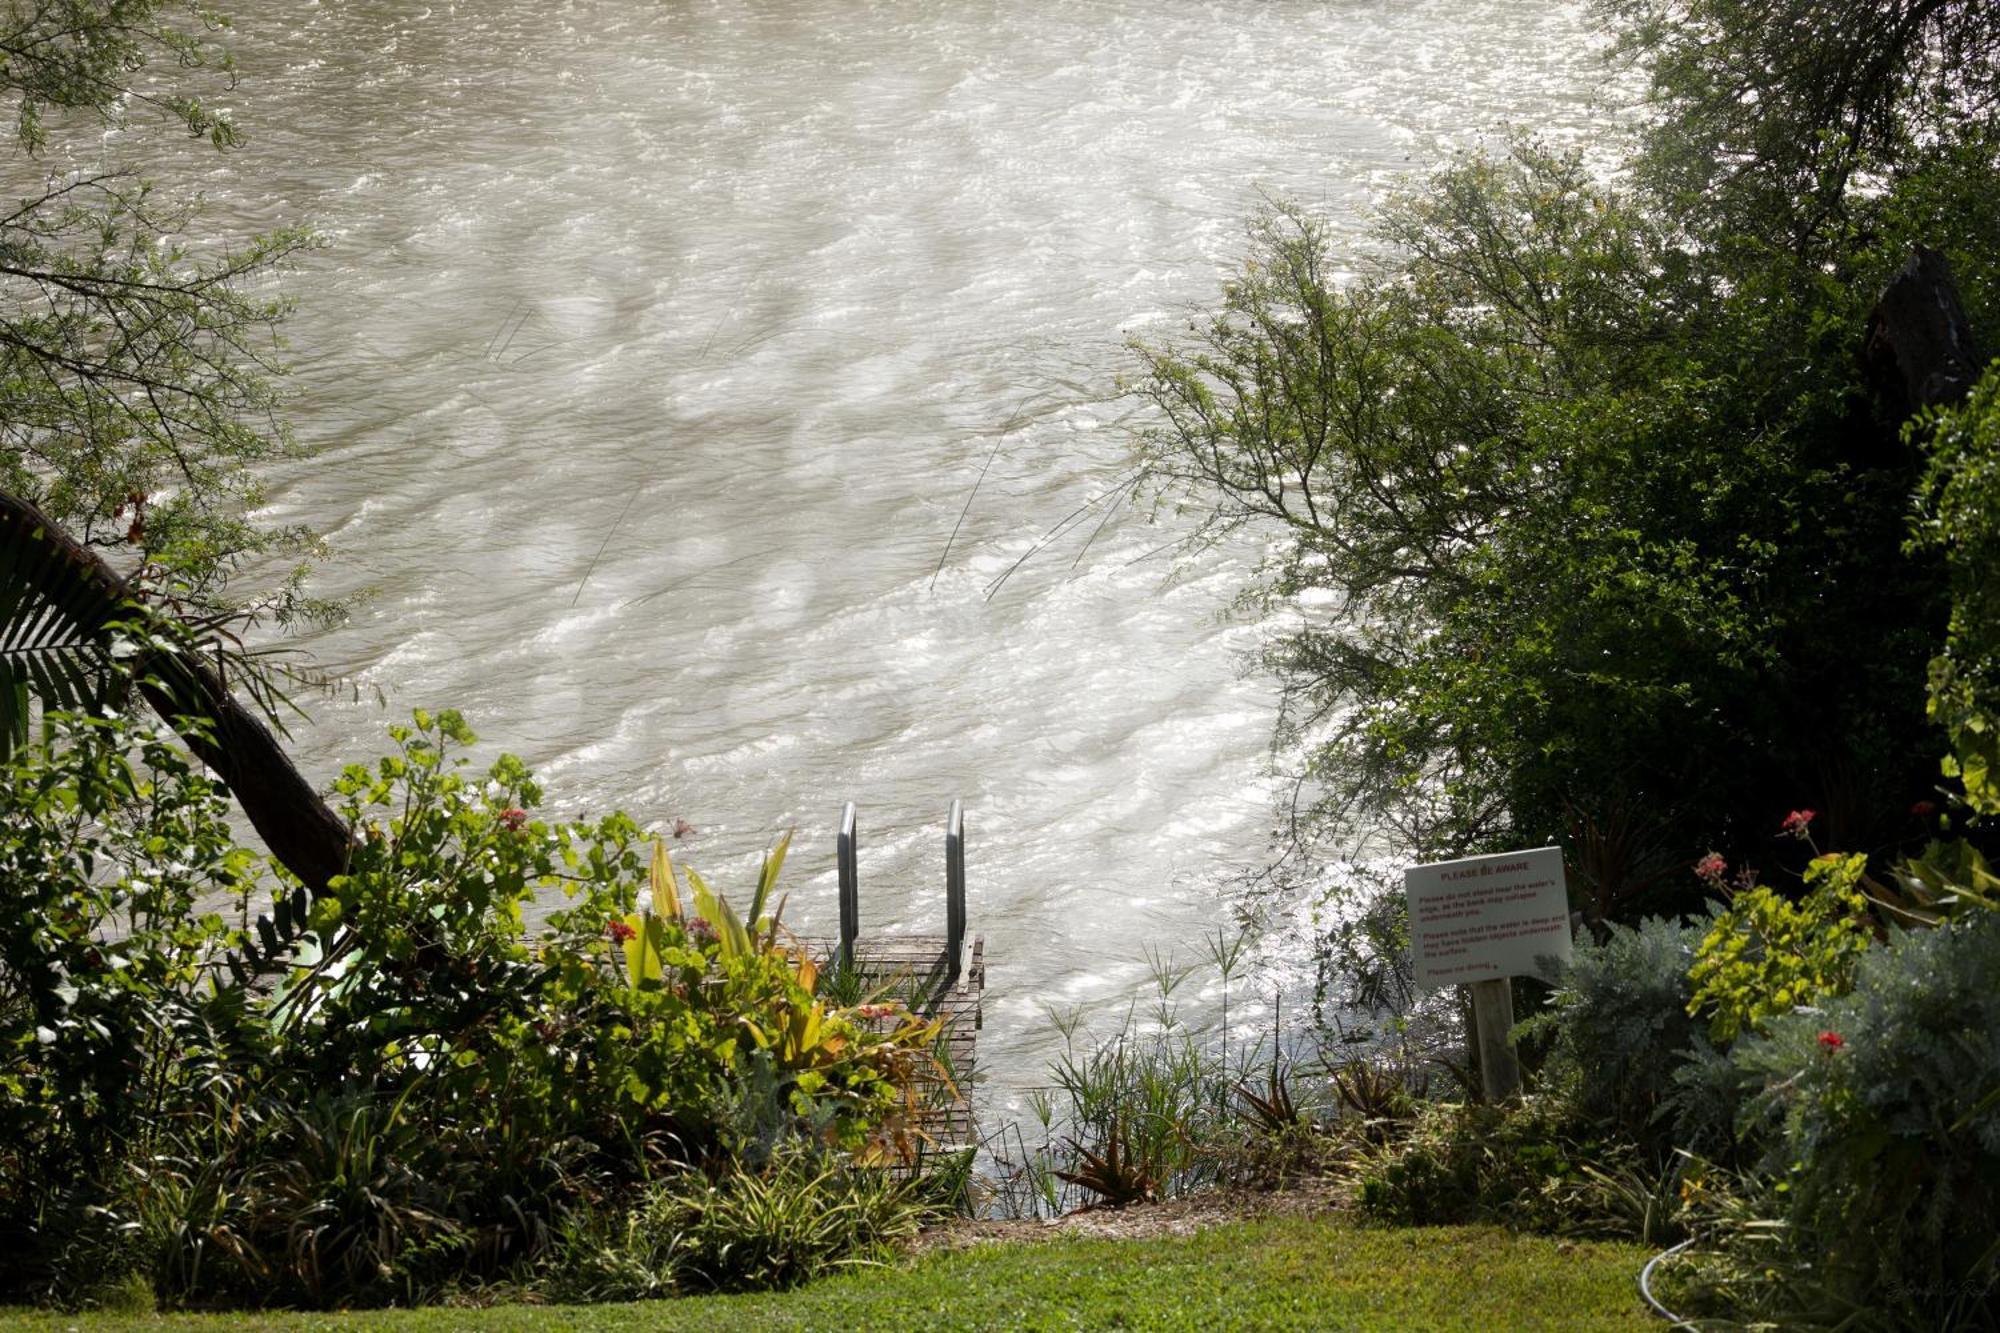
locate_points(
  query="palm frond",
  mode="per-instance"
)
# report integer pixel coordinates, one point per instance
(56, 623)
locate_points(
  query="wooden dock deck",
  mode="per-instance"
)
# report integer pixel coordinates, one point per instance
(917, 964)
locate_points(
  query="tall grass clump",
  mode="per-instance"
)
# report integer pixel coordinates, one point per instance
(1159, 1107)
(803, 1215)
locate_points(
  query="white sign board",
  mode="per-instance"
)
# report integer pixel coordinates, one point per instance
(1488, 917)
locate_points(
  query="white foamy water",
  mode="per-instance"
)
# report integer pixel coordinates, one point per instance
(661, 344)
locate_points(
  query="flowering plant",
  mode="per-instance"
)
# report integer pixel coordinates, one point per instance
(1766, 955)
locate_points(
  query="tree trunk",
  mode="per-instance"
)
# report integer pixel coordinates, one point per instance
(303, 833)
(1920, 351)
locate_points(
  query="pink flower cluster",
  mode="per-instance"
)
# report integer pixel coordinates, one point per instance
(1712, 868)
(620, 932)
(513, 818)
(1796, 822)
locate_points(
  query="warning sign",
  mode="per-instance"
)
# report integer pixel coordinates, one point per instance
(1489, 916)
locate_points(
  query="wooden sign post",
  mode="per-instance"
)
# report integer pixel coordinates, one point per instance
(1479, 921)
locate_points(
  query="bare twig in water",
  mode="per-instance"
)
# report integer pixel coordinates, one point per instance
(1013, 420)
(1124, 483)
(1111, 509)
(1185, 539)
(602, 546)
(727, 315)
(507, 327)
(519, 316)
(683, 585)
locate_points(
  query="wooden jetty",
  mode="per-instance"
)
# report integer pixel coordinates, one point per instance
(946, 973)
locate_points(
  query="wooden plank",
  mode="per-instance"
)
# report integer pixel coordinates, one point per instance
(921, 959)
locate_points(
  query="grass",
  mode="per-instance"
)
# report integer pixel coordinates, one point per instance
(1268, 1273)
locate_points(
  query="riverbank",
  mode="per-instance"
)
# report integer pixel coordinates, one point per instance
(1186, 1270)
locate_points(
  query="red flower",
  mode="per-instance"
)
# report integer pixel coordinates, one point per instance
(1924, 809)
(702, 929)
(514, 817)
(1712, 867)
(875, 1010)
(620, 932)
(1833, 1041)
(1795, 823)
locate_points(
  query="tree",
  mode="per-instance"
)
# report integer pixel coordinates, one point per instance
(1774, 112)
(1585, 534)
(75, 631)
(1590, 507)
(136, 400)
(136, 378)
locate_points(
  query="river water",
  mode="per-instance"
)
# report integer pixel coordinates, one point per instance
(687, 378)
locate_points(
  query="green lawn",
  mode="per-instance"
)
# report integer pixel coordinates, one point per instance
(1270, 1273)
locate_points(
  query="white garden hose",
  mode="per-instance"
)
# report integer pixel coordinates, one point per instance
(1646, 1281)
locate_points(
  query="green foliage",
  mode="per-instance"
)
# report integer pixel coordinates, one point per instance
(714, 1044)
(1948, 876)
(1383, 428)
(1958, 516)
(1572, 554)
(1765, 955)
(137, 359)
(1783, 117)
(1526, 1166)
(801, 1217)
(427, 1084)
(55, 628)
(1156, 1108)
(1144, 1109)
(333, 1201)
(82, 55)
(112, 849)
(1884, 1107)
(1620, 1030)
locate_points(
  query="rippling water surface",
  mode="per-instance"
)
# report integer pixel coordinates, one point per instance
(661, 344)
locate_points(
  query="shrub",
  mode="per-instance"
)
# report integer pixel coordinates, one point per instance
(1620, 1028)
(1766, 956)
(1958, 517)
(112, 991)
(1886, 1105)
(803, 1215)
(1143, 1108)
(1524, 1166)
(345, 1200)
(426, 1086)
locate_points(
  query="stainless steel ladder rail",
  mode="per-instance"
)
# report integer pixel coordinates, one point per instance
(847, 852)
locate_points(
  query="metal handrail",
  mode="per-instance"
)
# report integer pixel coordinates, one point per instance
(850, 888)
(848, 854)
(954, 892)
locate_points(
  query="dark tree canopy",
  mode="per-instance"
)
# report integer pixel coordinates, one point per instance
(1774, 111)
(1591, 505)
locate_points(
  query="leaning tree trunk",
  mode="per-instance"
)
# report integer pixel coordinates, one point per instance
(303, 833)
